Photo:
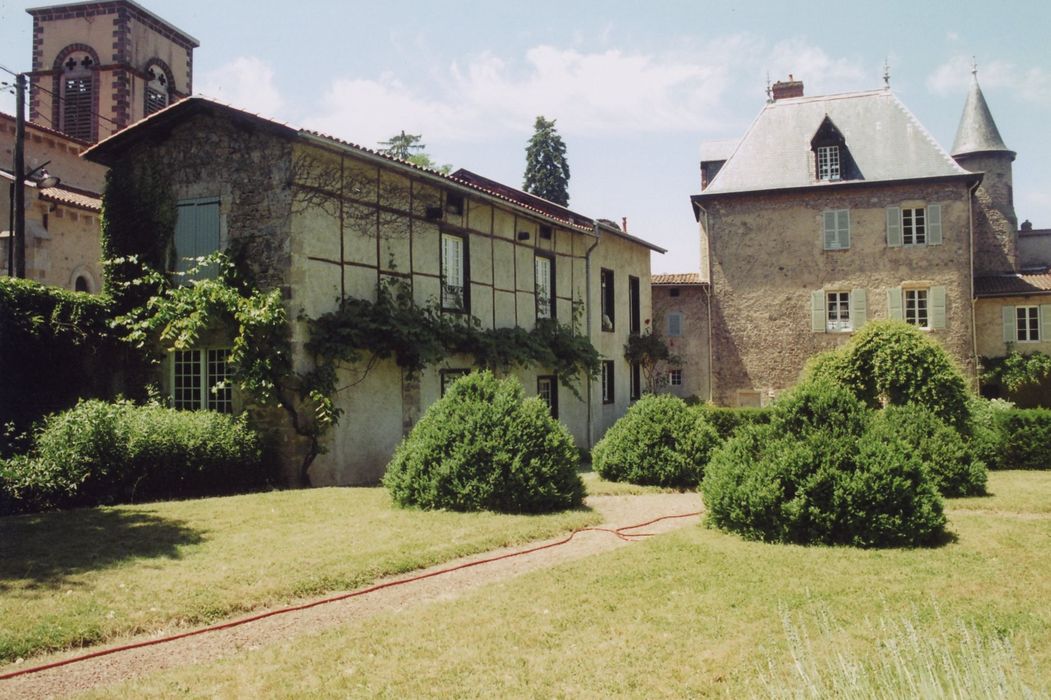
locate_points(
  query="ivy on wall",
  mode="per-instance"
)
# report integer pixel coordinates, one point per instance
(1015, 370)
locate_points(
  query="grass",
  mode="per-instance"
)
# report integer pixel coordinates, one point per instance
(89, 575)
(699, 613)
(597, 486)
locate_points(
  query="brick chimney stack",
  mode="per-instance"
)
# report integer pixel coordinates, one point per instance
(783, 89)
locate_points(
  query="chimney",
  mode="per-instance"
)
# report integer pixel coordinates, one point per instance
(624, 224)
(783, 89)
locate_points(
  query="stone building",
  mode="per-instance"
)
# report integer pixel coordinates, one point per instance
(837, 209)
(325, 220)
(680, 316)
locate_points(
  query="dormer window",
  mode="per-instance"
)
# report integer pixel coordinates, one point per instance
(828, 163)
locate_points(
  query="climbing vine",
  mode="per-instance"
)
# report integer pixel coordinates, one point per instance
(649, 351)
(1015, 370)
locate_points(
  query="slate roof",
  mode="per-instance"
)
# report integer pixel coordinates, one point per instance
(1020, 284)
(977, 132)
(718, 150)
(677, 279)
(885, 140)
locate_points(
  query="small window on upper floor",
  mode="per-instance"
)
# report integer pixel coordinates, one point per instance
(455, 282)
(836, 229)
(675, 325)
(828, 163)
(832, 158)
(913, 226)
(77, 99)
(608, 316)
(196, 235)
(454, 203)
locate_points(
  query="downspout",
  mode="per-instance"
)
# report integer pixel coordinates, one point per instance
(708, 297)
(974, 315)
(587, 294)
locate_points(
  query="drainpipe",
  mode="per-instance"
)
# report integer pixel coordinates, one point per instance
(587, 295)
(974, 315)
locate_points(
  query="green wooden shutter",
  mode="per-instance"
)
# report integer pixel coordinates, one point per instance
(830, 230)
(937, 310)
(934, 224)
(206, 216)
(859, 308)
(1045, 322)
(894, 303)
(818, 322)
(1009, 324)
(185, 238)
(843, 227)
(894, 227)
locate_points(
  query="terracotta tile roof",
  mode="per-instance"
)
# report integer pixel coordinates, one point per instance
(63, 194)
(1037, 282)
(679, 279)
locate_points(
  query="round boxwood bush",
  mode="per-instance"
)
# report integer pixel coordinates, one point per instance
(660, 441)
(947, 457)
(484, 446)
(820, 406)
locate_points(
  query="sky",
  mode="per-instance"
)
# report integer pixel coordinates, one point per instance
(635, 88)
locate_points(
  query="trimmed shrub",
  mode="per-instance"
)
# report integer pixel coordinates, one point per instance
(820, 406)
(660, 441)
(727, 421)
(985, 434)
(894, 362)
(100, 453)
(483, 446)
(1027, 438)
(946, 456)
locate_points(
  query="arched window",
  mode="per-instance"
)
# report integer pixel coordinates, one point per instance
(82, 284)
(158, 89)
(77, 101)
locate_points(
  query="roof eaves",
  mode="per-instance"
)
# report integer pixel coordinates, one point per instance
(707, 196)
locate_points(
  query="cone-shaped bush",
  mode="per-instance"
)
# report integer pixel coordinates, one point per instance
(659, 441)
(484, 446)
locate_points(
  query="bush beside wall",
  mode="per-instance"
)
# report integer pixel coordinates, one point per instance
(1026, 438)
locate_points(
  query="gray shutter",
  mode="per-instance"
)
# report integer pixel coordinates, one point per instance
(829, 218)
(934, 224)
(1045, 323)
(859, 308)
(1009, 324)
(185, 237)
(207, 235)
(894, 227)
(894, 303)
(818, 321)
(843, 227)
(937, 310)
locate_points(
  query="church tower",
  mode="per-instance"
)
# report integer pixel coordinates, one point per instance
(101, 66)
(979, 148)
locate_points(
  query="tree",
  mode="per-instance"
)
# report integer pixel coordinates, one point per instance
(547, 170)
(410, 147)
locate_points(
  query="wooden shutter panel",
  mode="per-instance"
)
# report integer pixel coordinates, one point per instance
(894, 303)
(894, 227)
(818, 322)
(830, 230)
(859, 308)
(1045, 323)
(207, 234)
(185, 237)
(1009, 323)
(843, 227)
(934, 224)
(937, 304)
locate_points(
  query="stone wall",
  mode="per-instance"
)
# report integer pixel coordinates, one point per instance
(692, 346)
(995, 224)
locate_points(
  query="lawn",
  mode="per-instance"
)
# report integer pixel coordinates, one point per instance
(90, 575)
(597, 486)
(701, 613)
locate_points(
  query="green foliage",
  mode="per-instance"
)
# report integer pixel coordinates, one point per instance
(948, 458)
(1016, 371)
(728, 421)
(547, 170)
(410, 147)
(483, 446)
(894, 362)
(99, 452)
(660, 441)
(649, 352)
(55, 346)
(1027, 438)
(985, 434)
(816, 475)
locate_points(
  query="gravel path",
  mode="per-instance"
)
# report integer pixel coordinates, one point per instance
(617, 511)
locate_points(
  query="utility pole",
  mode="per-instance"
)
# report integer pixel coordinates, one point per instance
(19, 203)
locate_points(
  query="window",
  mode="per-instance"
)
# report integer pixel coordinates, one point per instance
(1027, 323)
(636, 381)
(914, 225)
(77, 103)
(544, 269)
(634, 306)
(449, 377)
(156, 93)
(673, 292)
(607, 300)
(607, 381)
(916, 307)
(547, 390)
(836, 229)
(454, 203)
(675, 324)
(201, 379)
(675, 377)
(82, 284)
(838, 307)
(196, 235)
(545, 233)
(828, 162)
(454, 273)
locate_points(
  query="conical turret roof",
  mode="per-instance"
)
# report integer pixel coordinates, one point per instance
(977, 132)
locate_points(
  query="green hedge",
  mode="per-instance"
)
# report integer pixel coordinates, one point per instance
(102, 453)
(484, 446)
(728, 421)
(1026, 434)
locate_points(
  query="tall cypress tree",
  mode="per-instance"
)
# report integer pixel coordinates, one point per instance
(547, 170)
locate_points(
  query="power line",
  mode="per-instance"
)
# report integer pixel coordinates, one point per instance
(36, 84)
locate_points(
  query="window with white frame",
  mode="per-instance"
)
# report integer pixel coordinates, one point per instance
(675, 324)
(454, 273)
(916, 307)
(914, 226)
(544, 270)
(828, 163)
(196, 235)
(836, 229)
(201, 380)
(837, 305)
(675, 377)
(1027, 323)
(608, 395)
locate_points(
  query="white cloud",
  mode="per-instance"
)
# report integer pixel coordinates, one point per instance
(954, 76)
(820, 73)
(247, 82)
